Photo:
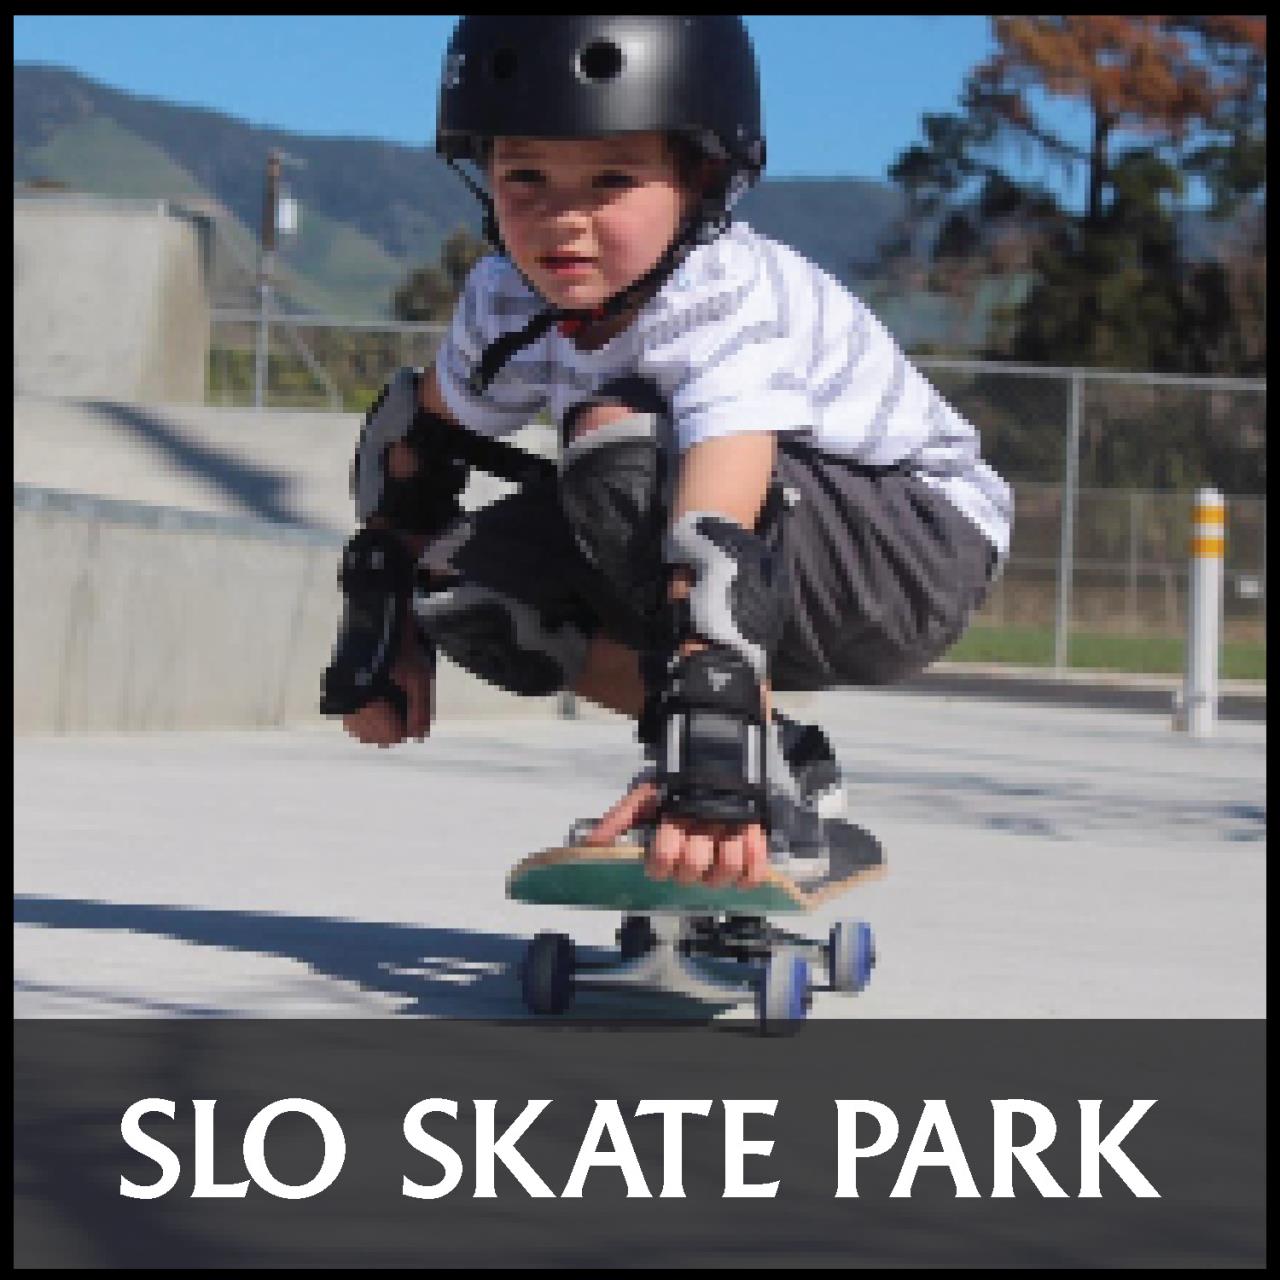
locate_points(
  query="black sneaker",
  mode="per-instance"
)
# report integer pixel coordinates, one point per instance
(808, 752)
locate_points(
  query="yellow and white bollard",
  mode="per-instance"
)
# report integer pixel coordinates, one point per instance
(1199, 709)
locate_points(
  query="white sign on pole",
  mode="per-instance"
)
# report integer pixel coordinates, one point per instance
(287, 216)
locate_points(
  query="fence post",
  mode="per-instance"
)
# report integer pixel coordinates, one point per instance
(263, 349)
(1066, 555)
(1199, 709)
(1131, 597)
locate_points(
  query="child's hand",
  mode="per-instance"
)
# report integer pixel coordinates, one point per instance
(379, 724)
(687, 849)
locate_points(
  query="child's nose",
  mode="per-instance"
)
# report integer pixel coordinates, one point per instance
(567, 205)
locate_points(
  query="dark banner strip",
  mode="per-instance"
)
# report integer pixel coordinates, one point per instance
(411, 1143)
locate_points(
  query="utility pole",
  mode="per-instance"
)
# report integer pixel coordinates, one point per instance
(266, 264)
(279, 218)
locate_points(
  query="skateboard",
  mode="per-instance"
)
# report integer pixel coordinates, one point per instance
(694, 940)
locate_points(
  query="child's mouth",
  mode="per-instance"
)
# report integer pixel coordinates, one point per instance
(566, 263)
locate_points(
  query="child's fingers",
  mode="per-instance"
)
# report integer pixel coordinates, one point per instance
(374, 725)
(698, 855)
(665, 851)
(755, 851)
(637, 805)
(730, 855)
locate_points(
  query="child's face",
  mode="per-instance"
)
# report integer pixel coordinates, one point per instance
(584, 218)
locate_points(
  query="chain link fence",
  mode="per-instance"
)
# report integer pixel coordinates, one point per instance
(1129, 566)
(312, 362)
(1097, 573)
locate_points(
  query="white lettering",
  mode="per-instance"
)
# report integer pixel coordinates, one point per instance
(152, 1148)
(607, 1118)
(935, 1118)
(847, 1149)
(255, 1142)
(489, 1149)
(673, 1112)
(1028, 1154)
(421, 1141)
(1093, 1149)
(736, 1148)
(207, 1188)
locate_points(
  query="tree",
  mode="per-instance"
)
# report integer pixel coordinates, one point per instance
(1169, 98)
(1110, 293)
(1136, 74)
(1233, 161)
(429, 292)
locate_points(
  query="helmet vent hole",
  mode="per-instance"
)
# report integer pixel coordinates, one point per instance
(503, 63)
(601, 60)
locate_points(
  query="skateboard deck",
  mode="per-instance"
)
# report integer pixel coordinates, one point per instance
(613, 877)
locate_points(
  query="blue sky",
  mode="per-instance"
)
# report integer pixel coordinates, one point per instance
(843, 95)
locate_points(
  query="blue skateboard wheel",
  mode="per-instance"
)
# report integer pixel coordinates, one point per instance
(782, 999)
(851, 955)
(546, 976)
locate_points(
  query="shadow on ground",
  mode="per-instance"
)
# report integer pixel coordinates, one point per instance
(261, 490)
(434, 972)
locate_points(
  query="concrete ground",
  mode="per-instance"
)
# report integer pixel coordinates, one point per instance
(1043, 862)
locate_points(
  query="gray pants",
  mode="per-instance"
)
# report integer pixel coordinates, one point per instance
(884, 575)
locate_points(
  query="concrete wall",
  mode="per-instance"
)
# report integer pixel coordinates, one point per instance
(109, 299)
(135, 617)
(174, 565)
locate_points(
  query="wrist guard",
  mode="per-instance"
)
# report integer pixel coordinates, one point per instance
(707, 726)
(739, 593)
(703, 712)
(376, 577)
(426, 501)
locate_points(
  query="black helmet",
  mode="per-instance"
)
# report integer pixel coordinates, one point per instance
(580, 76)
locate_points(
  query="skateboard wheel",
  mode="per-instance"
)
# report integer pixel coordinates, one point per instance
(546, 977)
(782, 999)
(851, 955)
(636, 937)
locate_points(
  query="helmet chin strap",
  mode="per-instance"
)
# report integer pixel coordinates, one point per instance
(711, 221)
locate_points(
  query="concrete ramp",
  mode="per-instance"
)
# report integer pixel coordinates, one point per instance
(109, 298)
(283, 466)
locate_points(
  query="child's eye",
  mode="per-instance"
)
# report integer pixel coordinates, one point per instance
(614, 180)
(530, 177)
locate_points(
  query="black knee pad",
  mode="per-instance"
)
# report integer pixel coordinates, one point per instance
(503, 641)
(610, 493)
(614, 490)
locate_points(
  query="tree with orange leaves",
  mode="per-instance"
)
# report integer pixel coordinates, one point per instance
(1168, 97)
(1138, 75)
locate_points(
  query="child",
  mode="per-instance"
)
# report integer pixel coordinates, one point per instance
(755, 489)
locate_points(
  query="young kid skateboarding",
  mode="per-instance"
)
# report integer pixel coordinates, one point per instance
(755, 489)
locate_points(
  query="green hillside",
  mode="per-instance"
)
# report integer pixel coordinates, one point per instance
(331, 268)
(97, 155)
(357, 272)
(395, 204)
